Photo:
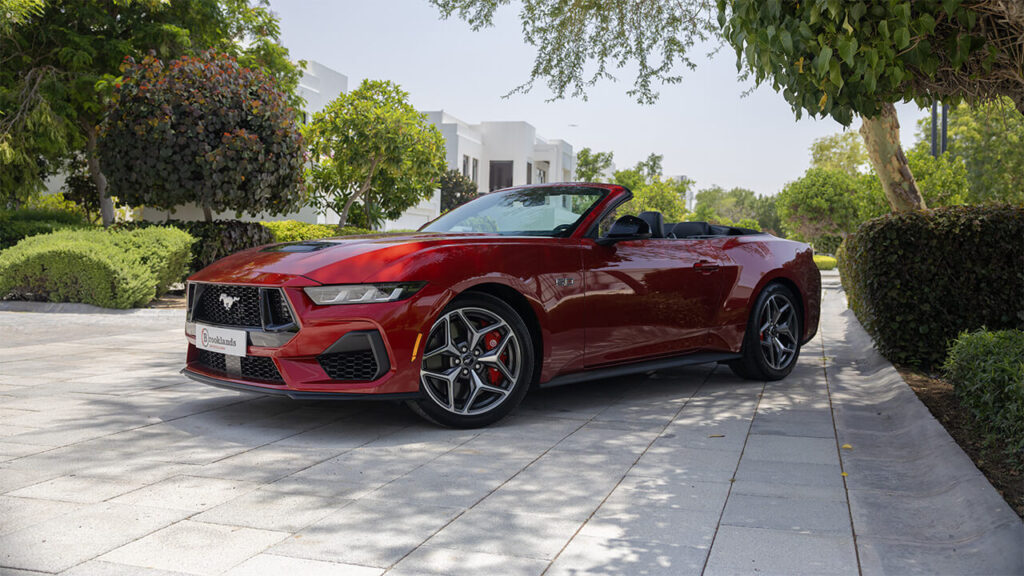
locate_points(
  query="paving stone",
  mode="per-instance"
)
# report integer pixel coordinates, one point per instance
(770, 478)
(799, 514)
(506, 534)
(67, 540)
(739, 550)
(434, 561)
(367, 533)
(689, 464)
(651, 523)
(998, 551)
(792, 449)
(264, 564)
(594, 555)
(187, 493)
(103, 568)
(18, 513)
(82, 489)
(664, 494)
(266, 463)
(454, 479)
(269, 510)
(195, 548)
(812, 423)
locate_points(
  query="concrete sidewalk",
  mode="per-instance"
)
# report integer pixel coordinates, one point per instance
(112, 463)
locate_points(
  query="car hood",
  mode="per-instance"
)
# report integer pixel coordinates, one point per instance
(329, 260)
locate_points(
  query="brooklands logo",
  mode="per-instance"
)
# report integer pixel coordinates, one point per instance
(206, 338)
(228, 301)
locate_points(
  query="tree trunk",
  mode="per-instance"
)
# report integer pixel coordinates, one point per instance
(93, 162)
(882, 138)
(207, 213)
(343, 217)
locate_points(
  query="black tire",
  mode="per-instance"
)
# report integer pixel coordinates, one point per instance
(756, 362)
(473, 386)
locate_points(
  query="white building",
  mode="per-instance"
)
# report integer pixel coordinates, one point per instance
(502, 154)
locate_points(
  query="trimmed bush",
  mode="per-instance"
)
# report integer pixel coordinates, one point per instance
(165, 251)
(89, 266)
(825, 262)
(987, 371)
(917, 279)
(294, 231)
(25, 222)
(214, 240)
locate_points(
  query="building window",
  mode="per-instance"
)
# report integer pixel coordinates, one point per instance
(542, 176)
(529, 172)
(476, 171)
(465, 165)
(501, 174)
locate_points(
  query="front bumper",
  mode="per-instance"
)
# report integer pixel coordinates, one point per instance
(307, 357)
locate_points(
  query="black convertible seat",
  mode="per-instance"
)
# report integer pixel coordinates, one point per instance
(656, 221)
(689, 229)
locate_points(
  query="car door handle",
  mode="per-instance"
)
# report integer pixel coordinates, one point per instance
(706, 266)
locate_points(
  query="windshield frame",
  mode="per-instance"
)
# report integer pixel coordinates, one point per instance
(603, 192)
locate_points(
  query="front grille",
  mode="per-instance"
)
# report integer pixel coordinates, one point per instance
(252, 367)
(211, 360)
(228, 305)
(279, 312)
(355, 365)
(260, 368)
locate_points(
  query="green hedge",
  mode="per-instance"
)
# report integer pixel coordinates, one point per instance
(214, 240)
(825, 262)
(165, 251)
(917, 279)
(100, 267)
(294, 231)
(987, 372)
(18, 224)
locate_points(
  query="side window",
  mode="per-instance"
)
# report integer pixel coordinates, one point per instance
(605, 224)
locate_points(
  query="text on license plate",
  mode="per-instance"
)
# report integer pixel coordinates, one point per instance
(223, 340)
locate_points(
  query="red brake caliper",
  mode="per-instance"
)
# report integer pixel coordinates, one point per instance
(491, 341)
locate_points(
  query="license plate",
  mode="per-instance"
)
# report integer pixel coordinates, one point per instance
(223, 340)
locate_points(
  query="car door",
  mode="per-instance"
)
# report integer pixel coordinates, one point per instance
(649, 298)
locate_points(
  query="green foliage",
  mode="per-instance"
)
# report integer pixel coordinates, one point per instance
(576, 44)
(917, 279)
(456, 190)
(987, 373)
(99, 267)
(591, 165)
(202, 130)
(294, 231)
(61, 60)
(838, 59)
(214, 240)
(373, 146)
(841, 151)
(825, 262)
(165, 251)
(821, 203)
(18, 224)
(989, 139)
(630, 178)
(665, 196)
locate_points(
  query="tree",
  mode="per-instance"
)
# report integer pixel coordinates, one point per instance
(820, 205)
(372, 145)
(651, 167)
(591, 165)
(665, 196)
(839, 59)
(60, 60)
(827, 57)
(943, 182)
(456, 190)
(989, 138)
(205, 130)
(841, 151)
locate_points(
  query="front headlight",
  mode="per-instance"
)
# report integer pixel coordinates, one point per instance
(363, 293)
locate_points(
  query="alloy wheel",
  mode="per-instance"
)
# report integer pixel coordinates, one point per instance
(777, 322)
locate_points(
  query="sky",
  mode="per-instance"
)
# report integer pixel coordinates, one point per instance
(704, 127)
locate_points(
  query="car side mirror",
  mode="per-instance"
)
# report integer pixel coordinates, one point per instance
(626, 228)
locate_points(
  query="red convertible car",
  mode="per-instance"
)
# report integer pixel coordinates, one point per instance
(530, 286)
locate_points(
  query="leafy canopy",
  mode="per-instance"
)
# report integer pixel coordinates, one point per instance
(456, 190)
(841, 151)
(818, 204)
(371, 145)
(203, 130)
(591, 165)
(835, 58)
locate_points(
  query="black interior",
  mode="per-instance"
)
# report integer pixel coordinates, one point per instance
(662, 229)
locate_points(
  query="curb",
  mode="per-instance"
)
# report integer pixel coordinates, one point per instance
(76, 308)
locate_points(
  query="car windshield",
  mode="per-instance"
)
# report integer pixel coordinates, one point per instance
(548, 211)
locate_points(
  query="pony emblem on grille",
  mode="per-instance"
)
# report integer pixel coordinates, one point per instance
(228, 301)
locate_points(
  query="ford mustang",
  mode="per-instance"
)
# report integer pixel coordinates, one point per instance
(525, 287)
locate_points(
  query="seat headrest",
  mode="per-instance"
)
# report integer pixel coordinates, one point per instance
(656, 222)
(686, 229)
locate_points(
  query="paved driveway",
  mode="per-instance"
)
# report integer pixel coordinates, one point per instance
(112, 463)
